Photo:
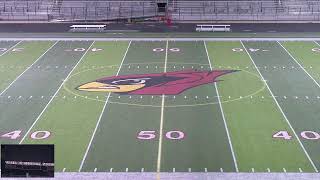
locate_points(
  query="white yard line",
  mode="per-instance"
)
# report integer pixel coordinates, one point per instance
(8, 50)
(294, 132)
(161, 120)
(100, 117)
(222, 113)
(299, 65)
(27, 68)
(44, 109)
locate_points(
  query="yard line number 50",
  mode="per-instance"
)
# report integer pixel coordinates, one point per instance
(150, 135)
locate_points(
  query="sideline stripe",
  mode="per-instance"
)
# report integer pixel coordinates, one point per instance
(100, 117)
(294, 132)
(159, 39)
(8, 50)
(299, 64)
(27, 68)
(222, 113)
(161, 119)
(45, 108)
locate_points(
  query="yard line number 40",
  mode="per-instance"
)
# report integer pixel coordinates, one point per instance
(34, 135)
(309, 135)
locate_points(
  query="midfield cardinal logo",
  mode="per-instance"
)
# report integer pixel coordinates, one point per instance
(169, 83)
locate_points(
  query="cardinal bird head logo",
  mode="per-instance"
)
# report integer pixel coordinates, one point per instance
(169, 83)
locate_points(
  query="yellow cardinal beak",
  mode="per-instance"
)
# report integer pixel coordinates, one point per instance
(101, 87)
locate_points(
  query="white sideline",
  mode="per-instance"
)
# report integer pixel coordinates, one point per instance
(104, 107)
(27, 68)
(156, 39)
(44, 109)
(223, 117)
(294, 132)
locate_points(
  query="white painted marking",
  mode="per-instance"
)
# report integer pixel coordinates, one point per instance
(45, 108)
(285, 117)
(27, 68)
(222, 113)
(299, 64)
(100, 117)
(161, 119)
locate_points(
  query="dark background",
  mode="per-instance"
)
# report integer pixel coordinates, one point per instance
(27, 153)
(162, 27)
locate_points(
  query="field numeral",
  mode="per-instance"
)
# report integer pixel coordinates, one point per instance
(12, 134)
(35, 135)
(249, 49)
(315, 49)
(40, 135)
(83, 49)
(308, 135)
(149, 135)
(311, 135)
(175, 135)
(162, 49)
(146, 135)
(282, 134)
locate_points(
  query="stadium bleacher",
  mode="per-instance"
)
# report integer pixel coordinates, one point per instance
(184, 10)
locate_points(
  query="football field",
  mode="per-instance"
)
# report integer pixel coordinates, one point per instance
(164, 105)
